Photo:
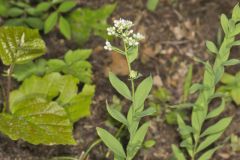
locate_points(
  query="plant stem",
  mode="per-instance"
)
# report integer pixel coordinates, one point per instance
(9, 83)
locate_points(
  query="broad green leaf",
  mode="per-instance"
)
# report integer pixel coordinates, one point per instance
(43, 6)
(142, 92)
(178, 153)
(64, 27)
(22, 71)
(217, 111)
(152, 5)
(117, 115)
(132, 53)
(20, 44)
(15, 22)
(212, 47)
(66, 6)
(50, 22)
(58, 88)
(77, 55)
(137, 140)
(120, 86)
(208, 154)
(38, 121)
(111, 142)
(220, 126)
(34, 22)
(85, 21)
(55, 65)
(79, 106)
(15, 12)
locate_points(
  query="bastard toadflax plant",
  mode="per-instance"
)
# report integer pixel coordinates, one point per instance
(137, 132)
(197, 139)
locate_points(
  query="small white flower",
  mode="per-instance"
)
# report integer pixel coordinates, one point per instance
(131, 41)
(138, 36)
(111, 31)
(108, 46)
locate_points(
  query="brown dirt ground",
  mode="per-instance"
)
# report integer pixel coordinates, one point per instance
(175, 33)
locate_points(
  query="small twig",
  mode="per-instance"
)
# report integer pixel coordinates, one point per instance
(9, 74)
(175, 42)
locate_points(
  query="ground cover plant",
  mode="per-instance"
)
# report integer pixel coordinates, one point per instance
(197, 139)
(43, 109)
(63, 14)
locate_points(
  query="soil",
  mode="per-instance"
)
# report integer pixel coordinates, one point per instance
(175, 34)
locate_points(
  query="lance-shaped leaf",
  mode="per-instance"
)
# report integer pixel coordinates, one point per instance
(20, 44)
(38, 121)
(120, 86)
(111, 142)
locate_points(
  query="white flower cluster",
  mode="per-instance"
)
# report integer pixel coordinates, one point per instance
(122, 29)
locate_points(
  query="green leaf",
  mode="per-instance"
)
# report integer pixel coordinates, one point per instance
(117, 115)
(15, 22)
(149, 143)
(142, 92)
(55, 65)
(120, 86)
(235, 93)
(217, 111)
(227, 78)
(66, 6)
(50, 22)
(231, 62)
(224, 23)
(85, 21)
(148, 112)
(111, 142)
(79, 106)
(220, 126)
(23, 71)
(64, 27)
(137, 140)
(208, 154)
(152, 5)
(38, 121)
(208, 141)
(187, 83)
(15, 12)
(58, 88)
(196, 87)
(34, 22)
(43, 6)
(132, 54)
(236, 12)
(212, 47)
(19, 44)
(178, 153)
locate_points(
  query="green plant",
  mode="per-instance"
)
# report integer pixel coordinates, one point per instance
(74, 63)
(231, 86)
(235, 143)
(85, 21)
(196, 139)
(45, 15)
(43, 109)
(152, 5)
(136, 111)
